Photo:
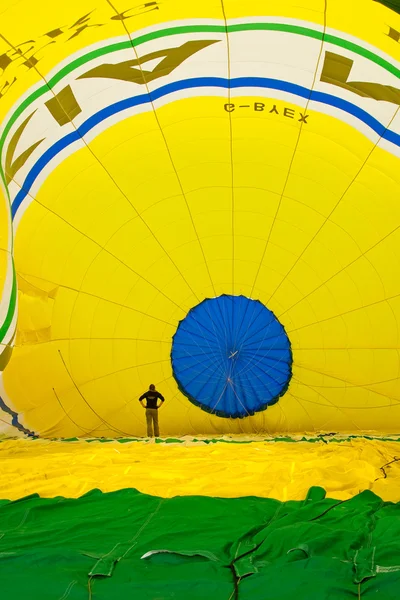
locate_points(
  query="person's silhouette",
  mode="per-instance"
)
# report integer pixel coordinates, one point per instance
(152, 397)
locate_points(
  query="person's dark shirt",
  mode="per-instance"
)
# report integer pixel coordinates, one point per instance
(151, 398)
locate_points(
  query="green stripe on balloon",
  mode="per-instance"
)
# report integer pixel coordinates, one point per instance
(319, 35)
(86, 58)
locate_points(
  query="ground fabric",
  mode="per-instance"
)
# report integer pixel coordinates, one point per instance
(125, 544)
(226, 468)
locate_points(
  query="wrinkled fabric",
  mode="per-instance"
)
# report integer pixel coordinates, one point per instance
(284, 470)
(128, 544)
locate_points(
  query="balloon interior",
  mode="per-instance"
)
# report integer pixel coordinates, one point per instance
(203, 198)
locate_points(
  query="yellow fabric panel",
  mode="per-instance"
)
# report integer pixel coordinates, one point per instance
(370, 23)
(4, 241)
(6, 282)
(112, 279)
(25, 29)
(280, 470)
(137, 224)
(49, 36)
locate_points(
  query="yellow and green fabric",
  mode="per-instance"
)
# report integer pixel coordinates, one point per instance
(203, 196)
(157, 157)
(200, 518)
(192, 547)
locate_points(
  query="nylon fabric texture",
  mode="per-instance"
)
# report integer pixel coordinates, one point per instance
(198, 547)
(281, 470)
(157, 156)
(236, 328)
(203, 196)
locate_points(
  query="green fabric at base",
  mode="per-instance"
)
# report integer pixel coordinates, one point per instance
(129, 545)
(322, 437)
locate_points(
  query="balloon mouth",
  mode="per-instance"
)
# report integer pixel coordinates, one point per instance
(232, 357)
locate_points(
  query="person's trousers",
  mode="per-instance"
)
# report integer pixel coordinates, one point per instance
(152, 418)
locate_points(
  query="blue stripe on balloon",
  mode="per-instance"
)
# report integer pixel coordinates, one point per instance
(14, 419)
(198, 82)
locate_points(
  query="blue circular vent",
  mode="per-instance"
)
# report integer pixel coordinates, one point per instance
(231, 356)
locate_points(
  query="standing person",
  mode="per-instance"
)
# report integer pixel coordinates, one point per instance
(152, 407)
